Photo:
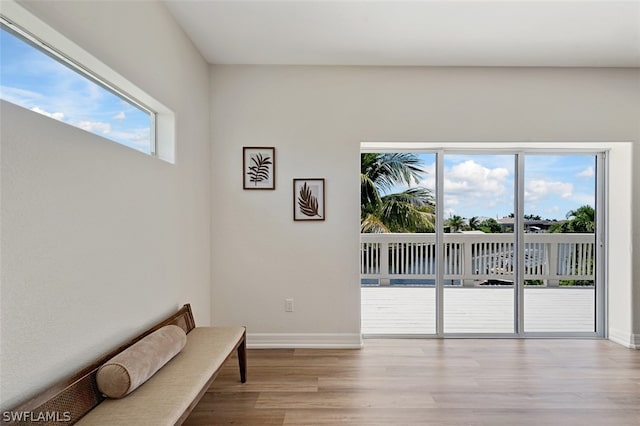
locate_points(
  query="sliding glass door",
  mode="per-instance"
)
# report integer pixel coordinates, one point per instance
(478, 239)
(398, 244)
(560, 243)
(513, 246)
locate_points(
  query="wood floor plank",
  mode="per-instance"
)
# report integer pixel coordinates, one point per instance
(431, 382)
(466, 417)
(332, 399)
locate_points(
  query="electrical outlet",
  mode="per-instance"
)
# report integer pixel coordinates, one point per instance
(288, 305)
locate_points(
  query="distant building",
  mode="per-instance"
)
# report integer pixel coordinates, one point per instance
(532, 226)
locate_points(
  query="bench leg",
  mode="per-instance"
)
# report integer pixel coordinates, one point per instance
(242, 360)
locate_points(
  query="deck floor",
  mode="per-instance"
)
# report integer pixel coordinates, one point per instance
(411, 310)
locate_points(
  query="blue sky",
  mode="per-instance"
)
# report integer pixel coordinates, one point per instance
(33, 80)
(483, 185)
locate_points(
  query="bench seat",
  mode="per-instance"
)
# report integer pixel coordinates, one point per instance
(171, 391)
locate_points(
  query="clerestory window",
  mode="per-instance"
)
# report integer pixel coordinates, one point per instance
(38, 77)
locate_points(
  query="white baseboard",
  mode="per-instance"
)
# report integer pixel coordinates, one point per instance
(304, 341)
(354, 341)
(635, 341)
(625, 339)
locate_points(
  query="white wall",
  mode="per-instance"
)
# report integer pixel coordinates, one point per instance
(99, 241)
(316, 118)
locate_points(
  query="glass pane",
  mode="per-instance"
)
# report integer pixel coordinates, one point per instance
(559, 294)
(479, 244)
(34, 80)
(397, 254)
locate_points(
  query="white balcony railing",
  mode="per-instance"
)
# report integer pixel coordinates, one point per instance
(475, 258)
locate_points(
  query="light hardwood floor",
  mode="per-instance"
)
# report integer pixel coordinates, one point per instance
(431, 382)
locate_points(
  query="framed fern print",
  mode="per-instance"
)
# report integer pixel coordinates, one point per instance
(308, 199)
(258, 167)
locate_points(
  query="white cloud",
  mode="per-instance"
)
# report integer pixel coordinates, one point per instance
(134, 135)
(94, 126)
(584, 198)
(586, 173)
(470, 184)
(55, 115)
(472, 179)
(537, 190)
(120, 116)
(133, 138)
(18, 96)
(429, 181)
(553, 209)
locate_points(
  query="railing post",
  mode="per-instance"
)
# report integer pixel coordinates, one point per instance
(552, 264)
(385, 279)
(467, 264)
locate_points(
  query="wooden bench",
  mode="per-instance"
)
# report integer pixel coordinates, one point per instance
(167, 398)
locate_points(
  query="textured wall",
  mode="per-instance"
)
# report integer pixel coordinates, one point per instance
(99, 241)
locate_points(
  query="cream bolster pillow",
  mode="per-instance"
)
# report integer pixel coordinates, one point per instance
(123, 373)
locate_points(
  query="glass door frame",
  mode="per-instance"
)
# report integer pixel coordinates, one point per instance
(517, 303)
(601, 209)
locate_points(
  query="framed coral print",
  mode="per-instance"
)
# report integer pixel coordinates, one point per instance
(259, 167)
(308, 199)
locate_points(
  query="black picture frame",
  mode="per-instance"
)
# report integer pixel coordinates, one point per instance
(259, 167)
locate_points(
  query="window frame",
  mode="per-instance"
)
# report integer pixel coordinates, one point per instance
(43, 37)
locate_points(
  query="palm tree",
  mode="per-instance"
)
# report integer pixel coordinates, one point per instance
(456, 223)
(490, 226)
(474, 223)
(581, 220)
(411, 210)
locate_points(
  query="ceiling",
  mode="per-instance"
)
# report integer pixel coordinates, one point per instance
(563, 33)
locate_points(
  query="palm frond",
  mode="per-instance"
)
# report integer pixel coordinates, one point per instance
(307, 202)
(259, 168)
(369, 195)
(418, 196)
(372, 224)
(390, 169)
(400, 216)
